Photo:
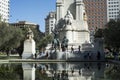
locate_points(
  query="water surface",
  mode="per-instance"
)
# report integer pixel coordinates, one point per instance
(59, 71)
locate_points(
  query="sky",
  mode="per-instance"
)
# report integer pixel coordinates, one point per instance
(34, 11)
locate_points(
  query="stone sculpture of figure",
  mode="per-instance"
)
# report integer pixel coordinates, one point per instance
(68, 18)
(64, 44)
(55, 42)
(30, 34)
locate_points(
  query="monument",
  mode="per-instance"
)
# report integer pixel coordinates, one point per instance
(29, 46)
(73, 32)
(72, 22)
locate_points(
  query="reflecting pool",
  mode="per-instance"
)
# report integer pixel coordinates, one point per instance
(60, 71)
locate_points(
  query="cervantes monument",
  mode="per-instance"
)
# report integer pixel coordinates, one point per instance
(72, 22)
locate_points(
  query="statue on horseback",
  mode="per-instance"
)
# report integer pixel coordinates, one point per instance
(55, 42)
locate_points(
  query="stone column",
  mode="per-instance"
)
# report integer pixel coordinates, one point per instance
(79, 9)
(59, 6)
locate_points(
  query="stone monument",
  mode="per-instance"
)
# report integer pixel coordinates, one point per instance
(29, 46)
(72, 22)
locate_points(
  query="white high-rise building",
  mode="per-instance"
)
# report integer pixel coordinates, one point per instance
(113, 9)
(50, 23)
(4, 10)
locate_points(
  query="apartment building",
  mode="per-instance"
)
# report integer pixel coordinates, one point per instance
(99, 12)
(4, 10)
(113, 9)
(50, 22)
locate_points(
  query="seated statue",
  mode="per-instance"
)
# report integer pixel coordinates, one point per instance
(68, 18)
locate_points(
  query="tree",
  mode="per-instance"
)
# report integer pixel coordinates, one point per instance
(99, 33)
(13, 37)
(38, 36)
(111, 35)
(44, 41)
(10, 72)
(112, 72)
(10, 37)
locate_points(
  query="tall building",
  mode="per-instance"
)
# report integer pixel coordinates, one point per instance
(50, 22)
(99, 12)
(4, 10)
(113, 9)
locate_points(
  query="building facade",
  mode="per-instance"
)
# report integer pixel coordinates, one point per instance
(113, 9)
(99, 12)
(50, 22)
(4, 10)
(22, 24)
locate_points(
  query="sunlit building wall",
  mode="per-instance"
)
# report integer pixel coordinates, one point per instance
(113, 9)
(50, 22)
(4, 10)
(99, 12)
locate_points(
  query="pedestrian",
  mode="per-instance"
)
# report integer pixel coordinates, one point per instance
(72, 49)
(47, 54)
(79, 48)
(35, 55)
(98, 55)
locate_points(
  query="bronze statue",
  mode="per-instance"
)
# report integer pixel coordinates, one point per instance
(64, 44)
(55, 42)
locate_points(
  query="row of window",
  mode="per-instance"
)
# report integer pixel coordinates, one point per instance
(113, 2)
(4, 4)
(114, 9)
(3, 15)
(113, 5)
(4, 11)
(113, 12)
(4, 7)
(113, 16)
(6, 1)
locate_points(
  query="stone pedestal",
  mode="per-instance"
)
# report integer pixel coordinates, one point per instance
(29, 49)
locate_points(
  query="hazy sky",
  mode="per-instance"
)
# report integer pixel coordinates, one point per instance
(31, 10)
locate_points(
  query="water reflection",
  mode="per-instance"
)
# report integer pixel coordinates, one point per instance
(59, 71)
